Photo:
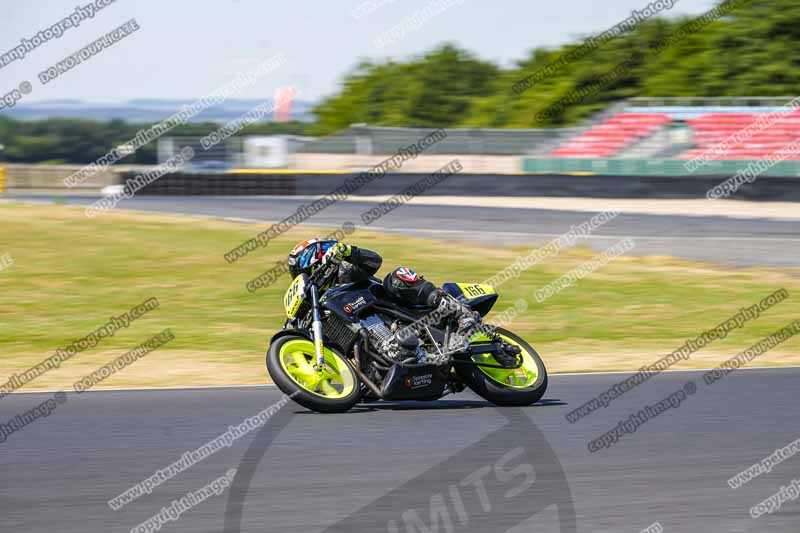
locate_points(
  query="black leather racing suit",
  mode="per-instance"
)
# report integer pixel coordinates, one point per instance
(359, 266)
(363, 264)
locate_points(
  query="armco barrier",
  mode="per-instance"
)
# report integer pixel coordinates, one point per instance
(473, 164)
(552, 185)
(649, 167)
(23, 178)
(219, 183)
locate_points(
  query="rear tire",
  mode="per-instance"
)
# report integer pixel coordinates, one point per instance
(308, 399)
(504, 394)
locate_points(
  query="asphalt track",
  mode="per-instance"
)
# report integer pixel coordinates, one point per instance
(382, 464)
(305, 472)
(728, 241)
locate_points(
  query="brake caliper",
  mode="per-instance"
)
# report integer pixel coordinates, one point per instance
(508, 355)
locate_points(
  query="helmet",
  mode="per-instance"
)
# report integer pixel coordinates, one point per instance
(307, 255)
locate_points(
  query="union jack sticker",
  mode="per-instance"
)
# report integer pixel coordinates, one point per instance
(407, 275)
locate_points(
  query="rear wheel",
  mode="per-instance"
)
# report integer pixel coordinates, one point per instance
(507, 387)
(332, 389)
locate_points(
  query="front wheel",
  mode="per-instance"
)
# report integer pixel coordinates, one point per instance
(506, 387)
(332, 389)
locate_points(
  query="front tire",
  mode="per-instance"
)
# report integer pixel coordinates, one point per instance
(290, 363)
(507, 388)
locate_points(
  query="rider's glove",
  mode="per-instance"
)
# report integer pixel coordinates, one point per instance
(337, 252)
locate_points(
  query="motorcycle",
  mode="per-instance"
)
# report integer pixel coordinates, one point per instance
(342, 344)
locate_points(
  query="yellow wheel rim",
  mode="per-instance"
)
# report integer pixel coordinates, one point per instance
(516, 378)
(334, 380)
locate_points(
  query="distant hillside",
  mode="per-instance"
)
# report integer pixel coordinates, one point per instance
(140, 110)
(80, 141)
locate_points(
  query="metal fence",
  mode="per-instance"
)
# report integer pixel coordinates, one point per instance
(649, 167)
(371, 140)
(222, 155)
(708, 101)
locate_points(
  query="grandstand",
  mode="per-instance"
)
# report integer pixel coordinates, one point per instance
(611, 136)
(685, 131)
(711, 129)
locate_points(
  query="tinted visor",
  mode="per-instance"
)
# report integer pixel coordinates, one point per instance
(313, 253)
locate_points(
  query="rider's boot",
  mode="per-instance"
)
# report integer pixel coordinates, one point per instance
(452, 311)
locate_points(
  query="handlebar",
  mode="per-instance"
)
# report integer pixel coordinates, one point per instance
(322, 275)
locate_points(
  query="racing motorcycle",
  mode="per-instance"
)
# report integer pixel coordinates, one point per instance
(342, 344)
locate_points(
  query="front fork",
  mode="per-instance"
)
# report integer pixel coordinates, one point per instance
(316, 329)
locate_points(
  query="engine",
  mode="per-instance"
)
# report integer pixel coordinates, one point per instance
(387, 343)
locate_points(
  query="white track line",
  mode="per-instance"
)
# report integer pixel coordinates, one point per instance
(383, 229)
(124, 389)
(693, 207)
(588, 237)
(270, 385)
(672, 370)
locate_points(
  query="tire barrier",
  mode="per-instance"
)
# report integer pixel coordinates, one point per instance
(550, 185)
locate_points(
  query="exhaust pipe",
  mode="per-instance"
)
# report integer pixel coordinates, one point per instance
(364, 379)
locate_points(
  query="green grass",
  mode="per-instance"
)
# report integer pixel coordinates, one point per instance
(71, 273)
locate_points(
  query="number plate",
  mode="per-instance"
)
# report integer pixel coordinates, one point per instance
(474, 290)
(294, 296)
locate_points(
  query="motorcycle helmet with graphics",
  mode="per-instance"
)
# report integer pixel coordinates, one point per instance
(306, 256)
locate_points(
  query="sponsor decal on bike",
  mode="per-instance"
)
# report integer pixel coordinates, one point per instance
(355, 306)
(418, 382)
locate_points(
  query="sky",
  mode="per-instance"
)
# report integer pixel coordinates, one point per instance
(184, 49)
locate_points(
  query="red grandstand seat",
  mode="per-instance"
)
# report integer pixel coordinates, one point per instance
(612, 135)
(766, 135)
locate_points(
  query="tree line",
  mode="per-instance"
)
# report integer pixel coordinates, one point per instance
(750, 51)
